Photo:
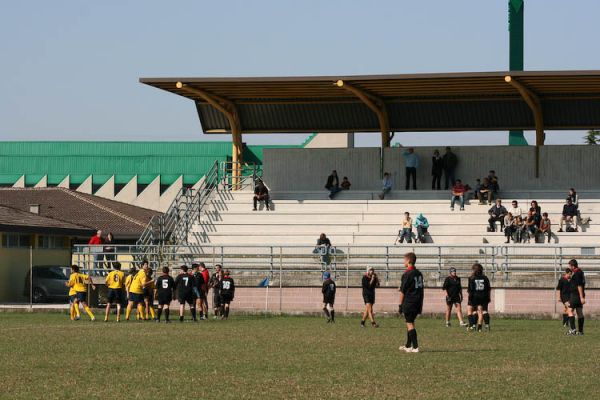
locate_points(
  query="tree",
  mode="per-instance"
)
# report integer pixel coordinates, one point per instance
(592, 137)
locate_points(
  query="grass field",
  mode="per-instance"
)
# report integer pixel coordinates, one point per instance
(47, 356)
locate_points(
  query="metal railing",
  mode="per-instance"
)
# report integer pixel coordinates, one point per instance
(257, 262)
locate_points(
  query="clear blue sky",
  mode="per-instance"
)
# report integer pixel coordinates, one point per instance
(70, 69)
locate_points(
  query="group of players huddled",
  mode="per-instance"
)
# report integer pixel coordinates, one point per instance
(139, 289)
(192, 288)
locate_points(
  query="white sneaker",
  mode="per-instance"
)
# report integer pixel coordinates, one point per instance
(414, 350)
(463, 324)
(404, 348)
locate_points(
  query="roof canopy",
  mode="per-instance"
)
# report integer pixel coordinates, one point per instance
(476, 101)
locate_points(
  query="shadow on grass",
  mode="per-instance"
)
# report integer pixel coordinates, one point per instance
(462, 351)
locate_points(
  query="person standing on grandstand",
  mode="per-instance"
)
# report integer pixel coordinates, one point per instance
(205, 278)
(149, 296)
(370, 282)
(454, 297)
(79, 283)
(563, 293)
(333, 184)
(227, 293)
(411, 301)
(136, 292)
(114, 282)
(577, 299)
(479, 291)
(164, 287)
(198, 289)
(214, 283)
(328, 291)
(185, 284)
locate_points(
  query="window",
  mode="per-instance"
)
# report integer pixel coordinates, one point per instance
(51, 242)
(15, 240)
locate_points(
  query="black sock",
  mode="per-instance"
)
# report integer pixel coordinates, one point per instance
(226, 312)
(565, 318)
(167, 314)
(486, 318)
(580, 322)
(408, 339)
(478, 327)
(326, 312)
(181, 318)
(572, 323)
(362, 321)
(193, 310)
(413, 338)
(158, 313)
(332, 312)
(471, 320)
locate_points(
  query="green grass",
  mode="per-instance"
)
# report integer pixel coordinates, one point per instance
(47, 356)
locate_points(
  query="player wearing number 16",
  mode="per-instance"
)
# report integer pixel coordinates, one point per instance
(411, 301)
(479, 293)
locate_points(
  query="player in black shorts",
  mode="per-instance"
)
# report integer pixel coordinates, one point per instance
(479, 291)
(454, 297)
(184, 284)
(163, 288)
(411, 301)
(577, 299)
(563, 293)
(227, 291)
(149, 297)
(328, 291)
(370, 282)
(214, 284)
(198, 289)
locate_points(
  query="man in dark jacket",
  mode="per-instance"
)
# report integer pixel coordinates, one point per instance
(497, 214)
(569, 214)
(450, 162)
(333, 184)
(261, 193)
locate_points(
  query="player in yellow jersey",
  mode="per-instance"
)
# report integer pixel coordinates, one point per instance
(73, 307)
(79, 282)
(149, 296)
(115, 282)
(136, 291)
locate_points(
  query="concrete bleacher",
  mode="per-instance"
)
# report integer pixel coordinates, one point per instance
(359, 218)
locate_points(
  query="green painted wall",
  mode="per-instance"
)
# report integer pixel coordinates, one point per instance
(122, 159)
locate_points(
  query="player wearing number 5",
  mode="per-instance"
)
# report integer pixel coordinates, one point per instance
(411, 301)
(163, 288)
(227, 292)
(114, 282)
(479, 292)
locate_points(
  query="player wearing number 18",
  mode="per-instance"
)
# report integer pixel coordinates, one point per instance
(114, 282)
(411, 301)
(164, 293)
(227, 291)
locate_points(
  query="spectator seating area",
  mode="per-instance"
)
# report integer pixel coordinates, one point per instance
(359, 218)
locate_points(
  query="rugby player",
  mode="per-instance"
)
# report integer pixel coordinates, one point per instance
(185, 284)
(78, 282)
(479, 290)
(563, 293)
(577, 299)
(454, 297)
(136, 292)
(328, 291)
(115, 281)
(370, 282)
(164, 287)
(227, 292)
(411, 301)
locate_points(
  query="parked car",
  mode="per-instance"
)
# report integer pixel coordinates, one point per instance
(48, 283)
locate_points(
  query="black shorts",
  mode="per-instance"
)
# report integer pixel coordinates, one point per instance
(186, 298)
(476, 302)
(72, 298)
(164, 298)
(114, 295)
(199, 294)
(136, 297)
(574, 302)
(81, 296)
(216, 299)
(226, 298)
(410, 316)
(369, 298)
(453, 300)
(328, 300)
(565, 299)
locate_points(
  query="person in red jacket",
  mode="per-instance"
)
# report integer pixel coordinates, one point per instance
(97, 241)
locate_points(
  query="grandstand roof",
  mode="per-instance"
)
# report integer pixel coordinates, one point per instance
(470, 101)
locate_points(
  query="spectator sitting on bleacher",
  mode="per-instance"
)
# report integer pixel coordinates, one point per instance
(406, 231)
(509, 227)
(458, 193)
(333, 184)
(497, 214)
(575, 199)
(477, 188)
(515, 210)
(538, 209)
(493, 180)
(531, 226)
(322, 248)
(345, 183)
(261, 193)
(569, 215)
(387, 185)
(422, 225)
(484, 194)
(520, 229)
(546, 227)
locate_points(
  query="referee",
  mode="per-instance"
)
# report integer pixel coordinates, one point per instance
(411, 301)
(577, 299)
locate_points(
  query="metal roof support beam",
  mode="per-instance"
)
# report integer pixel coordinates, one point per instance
(229, 110)
(534, 103)
(376, 105)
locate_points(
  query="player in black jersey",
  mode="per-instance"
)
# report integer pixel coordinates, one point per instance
(328, 291)
(198, 289)
(454, 297)
(576, 299)
(214, 284)
(370, 281)
(479, 292)
(563, 292)
(185, 284)
(163, 291)
(227, 292)
(411, 301)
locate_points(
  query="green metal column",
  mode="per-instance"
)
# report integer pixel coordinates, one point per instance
(516, 11)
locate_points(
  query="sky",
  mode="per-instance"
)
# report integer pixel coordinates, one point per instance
(70, 68)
